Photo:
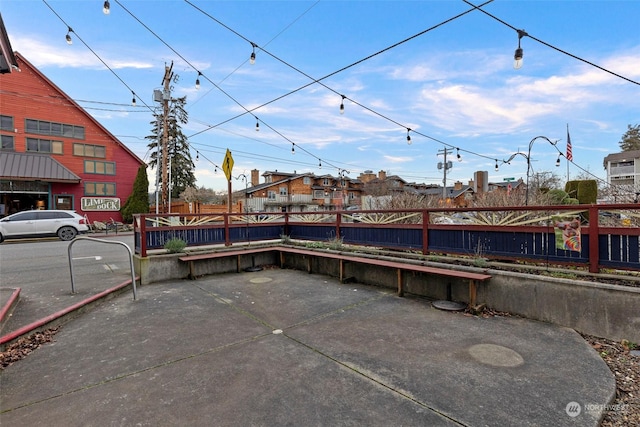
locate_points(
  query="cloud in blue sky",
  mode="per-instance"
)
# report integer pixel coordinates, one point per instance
(453, 86)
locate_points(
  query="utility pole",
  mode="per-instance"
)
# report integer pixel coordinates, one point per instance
(444, 166)
(166, 97)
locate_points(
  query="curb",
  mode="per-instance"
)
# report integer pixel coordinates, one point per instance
(61, 316)
(7, 309)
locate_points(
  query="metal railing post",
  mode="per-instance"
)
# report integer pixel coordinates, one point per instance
(70, 254)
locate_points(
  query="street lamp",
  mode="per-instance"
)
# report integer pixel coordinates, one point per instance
(341, 175)
(529, 162)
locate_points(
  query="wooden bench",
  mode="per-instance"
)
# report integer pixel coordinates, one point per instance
(399, 266)
(222, 254)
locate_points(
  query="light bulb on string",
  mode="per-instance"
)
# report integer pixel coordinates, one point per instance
(293, 148)
(68, 36)
(558, 160)
(198, 80)
(252, 58)
(319, 163)
(497, 168)
(197, 156)
(133, 100)
(342, 105)
(519, 53)
(408, 136)
(458, 155)
(257, 125)
(106, 8)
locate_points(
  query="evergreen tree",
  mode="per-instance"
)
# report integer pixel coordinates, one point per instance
(138, 200)
(182, 166)
(631, 139)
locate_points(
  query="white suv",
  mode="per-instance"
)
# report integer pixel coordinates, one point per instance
(64, 224)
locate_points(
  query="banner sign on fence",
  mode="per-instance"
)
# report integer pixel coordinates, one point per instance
(567, 233)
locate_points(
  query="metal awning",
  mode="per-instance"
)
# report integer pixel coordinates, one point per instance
(32, 167)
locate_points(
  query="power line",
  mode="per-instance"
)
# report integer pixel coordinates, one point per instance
(319, 80)
(94, 53)
(327, 162)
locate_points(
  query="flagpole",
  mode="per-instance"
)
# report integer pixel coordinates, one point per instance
(569, 153)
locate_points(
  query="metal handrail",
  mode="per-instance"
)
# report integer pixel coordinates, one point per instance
(70, 253)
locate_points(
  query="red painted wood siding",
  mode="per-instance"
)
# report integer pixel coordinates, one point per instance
(30, 95)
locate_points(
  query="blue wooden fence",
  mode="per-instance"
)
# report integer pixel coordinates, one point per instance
(615, 245)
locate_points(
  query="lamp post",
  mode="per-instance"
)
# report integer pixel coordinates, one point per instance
(341, 175)
(529, 162)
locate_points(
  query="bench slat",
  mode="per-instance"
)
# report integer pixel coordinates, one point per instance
(472, 277)
(393, 264)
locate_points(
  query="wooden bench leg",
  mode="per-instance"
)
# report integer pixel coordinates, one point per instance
(192, 272)
(400, 285)
(472, 293)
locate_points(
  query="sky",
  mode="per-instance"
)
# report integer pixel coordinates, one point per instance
(437, 71)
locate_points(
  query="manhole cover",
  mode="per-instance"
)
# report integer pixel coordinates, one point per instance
(449, 305)
(261, 280)
(495, 355)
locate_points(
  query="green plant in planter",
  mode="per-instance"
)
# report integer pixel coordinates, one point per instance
(175, 245)
(314, 245)
(335, 244)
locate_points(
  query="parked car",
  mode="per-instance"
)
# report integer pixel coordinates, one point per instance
(43, 223)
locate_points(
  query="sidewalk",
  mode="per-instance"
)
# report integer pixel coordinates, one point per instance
(283, 347)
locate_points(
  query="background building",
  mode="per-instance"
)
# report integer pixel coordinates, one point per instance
(294, 192)
(623, 173)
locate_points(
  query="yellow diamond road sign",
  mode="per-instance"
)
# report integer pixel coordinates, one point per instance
(227, 165)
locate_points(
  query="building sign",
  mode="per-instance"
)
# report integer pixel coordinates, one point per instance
(100, 204)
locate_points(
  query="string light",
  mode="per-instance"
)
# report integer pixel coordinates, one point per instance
(106, 8)
(133, 100)
(198, 81)
(197, 155)
(319, 163)
(318, 80)
(342, 105)
(257, 125)
(252, 58)
(293, 148)
(497, 165)
(519, 54)
(408, 136)
(558, 160)
(458, 154)
(68, 36)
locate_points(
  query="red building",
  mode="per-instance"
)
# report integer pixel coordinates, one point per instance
(54, 155)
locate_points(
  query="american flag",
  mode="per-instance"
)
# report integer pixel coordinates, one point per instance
(569, 152)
